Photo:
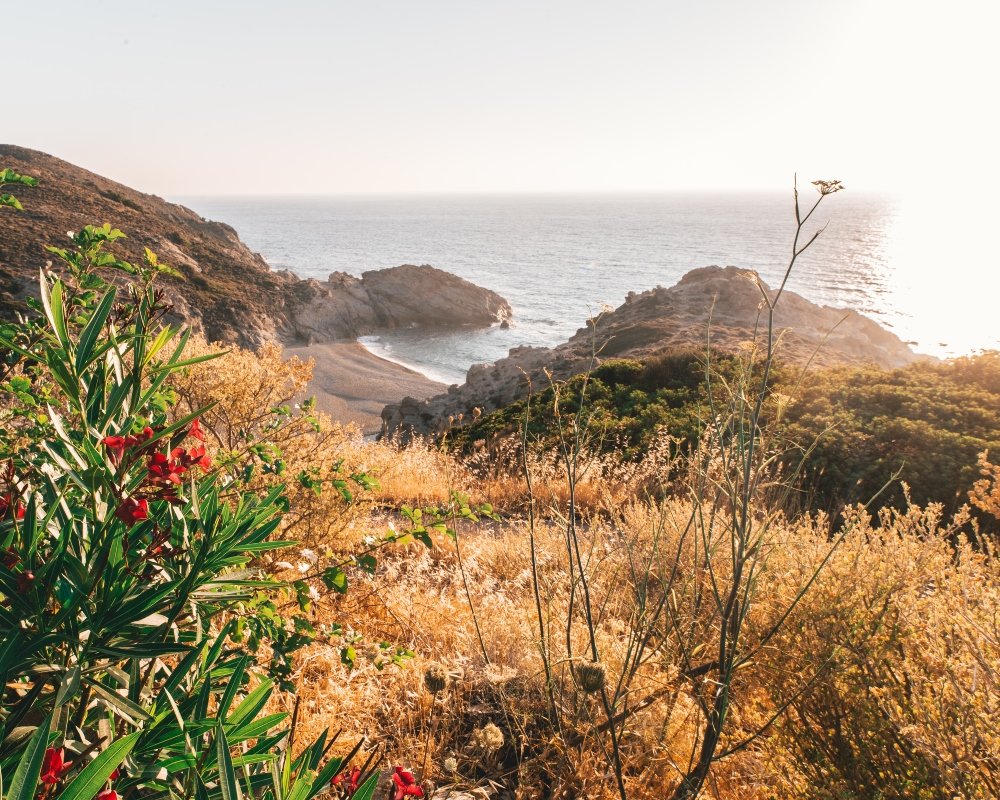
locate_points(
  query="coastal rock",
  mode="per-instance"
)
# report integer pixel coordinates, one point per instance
(724, 305)
(401, 297)
(226, 291)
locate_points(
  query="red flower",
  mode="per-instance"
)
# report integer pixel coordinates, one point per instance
(132, 511)
(195, 457)
(196, 431)
(114, 442)
(139, 438)
(7, 501)
(54, 766)
(108, 794)
(406, 784)
(114, 775)
(117, 445)
(165, 469)
(348, 781)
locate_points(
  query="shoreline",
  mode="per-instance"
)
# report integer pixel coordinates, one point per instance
(353, 384)
(373, 344)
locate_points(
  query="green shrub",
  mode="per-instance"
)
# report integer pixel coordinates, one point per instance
(929, 421)
(129, 612)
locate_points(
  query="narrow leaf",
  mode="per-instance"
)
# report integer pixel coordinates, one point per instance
(92, 777)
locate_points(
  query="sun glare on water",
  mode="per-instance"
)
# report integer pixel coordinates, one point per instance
(944, 280)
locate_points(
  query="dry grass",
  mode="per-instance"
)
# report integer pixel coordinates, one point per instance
(887, 673)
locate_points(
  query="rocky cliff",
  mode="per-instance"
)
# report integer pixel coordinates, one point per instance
(226, 291)
(345, 306)
(724, 304)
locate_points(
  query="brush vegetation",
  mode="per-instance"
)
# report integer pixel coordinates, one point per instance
(639, 587)
(929, 421)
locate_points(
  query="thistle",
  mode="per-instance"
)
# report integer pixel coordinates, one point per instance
(435, 678)
(591, 676)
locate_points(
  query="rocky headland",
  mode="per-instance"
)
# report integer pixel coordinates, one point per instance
(720, 304)
(226, 291)
(230, 294)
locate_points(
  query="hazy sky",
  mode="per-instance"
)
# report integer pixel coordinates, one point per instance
(183, 98)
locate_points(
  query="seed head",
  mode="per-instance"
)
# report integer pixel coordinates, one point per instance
(828, 187)
(489, 738)
(591, 676)
(435, 678)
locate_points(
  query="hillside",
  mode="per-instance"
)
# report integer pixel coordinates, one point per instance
(724, 304)
(227, 291)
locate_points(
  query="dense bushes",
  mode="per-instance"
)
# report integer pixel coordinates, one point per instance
(624, 404)
(928, 422)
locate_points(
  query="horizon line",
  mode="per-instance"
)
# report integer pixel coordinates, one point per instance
(516, 193)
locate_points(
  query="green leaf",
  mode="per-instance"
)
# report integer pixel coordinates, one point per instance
(10, 201)
(57, 314)
(259, 727)
(29, 768)
(227, 775)
(366, 791)
(92, 777)
(326, 774)
(69, 687)
(335, 578)
(122, 706)
(252, 703)
(302, 790)
(88, 337)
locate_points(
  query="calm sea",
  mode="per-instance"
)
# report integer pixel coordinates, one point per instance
(558, 259)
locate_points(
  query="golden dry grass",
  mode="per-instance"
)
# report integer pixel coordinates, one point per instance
(887, 674)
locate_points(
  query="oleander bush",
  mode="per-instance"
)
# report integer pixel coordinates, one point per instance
(130, 614)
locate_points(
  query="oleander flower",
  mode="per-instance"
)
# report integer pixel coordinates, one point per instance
(54, 766)
(132, 511)
(347, 782)
(196, 431)
(195, 457)
(406, 784)
(165, 469)
(9, 501)
(118, 445)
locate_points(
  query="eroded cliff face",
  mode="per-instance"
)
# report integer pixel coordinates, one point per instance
(723, 305)
(227, 292)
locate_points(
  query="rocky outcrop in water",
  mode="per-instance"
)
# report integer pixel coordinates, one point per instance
(227, 292)
(721, 304)
(346, 306)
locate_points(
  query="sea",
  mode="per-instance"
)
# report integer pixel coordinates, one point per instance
(559, 259)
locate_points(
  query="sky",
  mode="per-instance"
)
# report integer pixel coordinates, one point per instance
(295, 97)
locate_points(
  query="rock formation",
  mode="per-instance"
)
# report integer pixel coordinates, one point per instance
(723, 304)
(399, 297)
(227, 291)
